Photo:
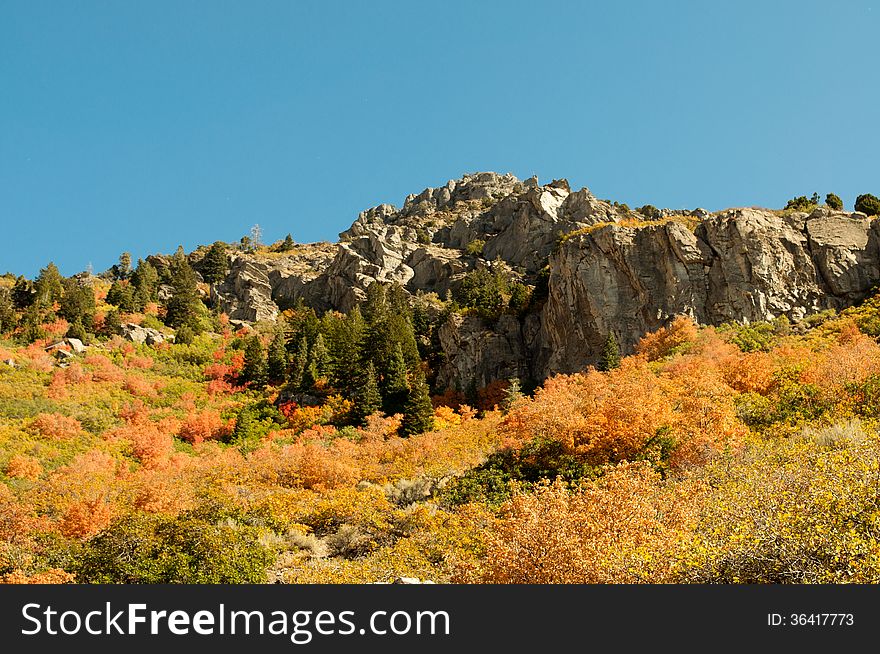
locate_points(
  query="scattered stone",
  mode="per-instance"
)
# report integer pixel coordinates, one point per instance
(76, 345)
(144, 335)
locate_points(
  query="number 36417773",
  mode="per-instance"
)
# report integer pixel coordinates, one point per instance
(810, 620)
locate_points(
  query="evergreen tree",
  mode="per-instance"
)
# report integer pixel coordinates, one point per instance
(868, 204)
(215, 265)
(122, 270)
(254, 370)
(367, 397)
(184, 335)
(31, 329)
(511, 394)
(418, 413)
(7, 311)
(47, 287)
(395, 389)
(246, 425)
(22, 293)
(145, 281)
(78, 303)
(76, 330)
(184, 306)
(375, 306)
(277, 359)
(344, 345)
(300, 362)
(319, 357)
(287, 245)
(833, 201)
(122, 295)
(112, 323)
(610, 358)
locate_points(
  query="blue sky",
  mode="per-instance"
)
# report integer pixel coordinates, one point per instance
(141, 126)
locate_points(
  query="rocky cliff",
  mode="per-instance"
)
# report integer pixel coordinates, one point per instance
(610, 270)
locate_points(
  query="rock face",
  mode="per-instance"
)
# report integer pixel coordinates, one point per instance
(246, 293)
(610, 269)
(744, 265)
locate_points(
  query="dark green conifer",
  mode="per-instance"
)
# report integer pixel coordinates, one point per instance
(277, 359)
(610, 358)
(418, 413)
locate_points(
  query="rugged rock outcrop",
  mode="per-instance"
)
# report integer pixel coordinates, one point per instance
(610, 269)
(741, 265)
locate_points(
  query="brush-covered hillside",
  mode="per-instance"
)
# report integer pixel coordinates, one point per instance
(578, 393)
(736, 454)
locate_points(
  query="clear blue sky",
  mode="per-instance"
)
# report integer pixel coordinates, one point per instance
(141, 125)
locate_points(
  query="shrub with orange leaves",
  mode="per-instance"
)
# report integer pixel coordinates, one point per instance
(23, 467)
(141, 362)
(450, 397)
(86, 518)
(103, 369)
(161, 492)
(203, 426)
(379, 426)
(303, 465)
(490, 397)
(140, 387)
(57, 426)
(630, 413)
(445, 416)
(56, 329)
(151, 442)
(853, 359)
(668, 340)
(626, 527)
(600, 417)
(50, 576)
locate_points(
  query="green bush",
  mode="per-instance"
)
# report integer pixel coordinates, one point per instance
(475, 247)
(649, 211)
(538, 460)
(833, 201)
(145, 549)
(802, 203)
(868, 204)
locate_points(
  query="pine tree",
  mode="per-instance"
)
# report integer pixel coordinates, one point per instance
(78, 303)
(31, 329)
(184, 335)
(511, 394)
(254, 370)
(375, 306)
(367, 397)
(145, 281)
(395, 388)
(610, 358)
(300, 363)
(48, 286)
(78, 331)
(287, 245)
(320, 359)
(418, 413)
(122, 270)
(7, 311)
(122, 295)
(184, 305)
(345, 336)
(112, 323)
(22, 293)
(215, 265)
(277, 359)
(833, 201)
